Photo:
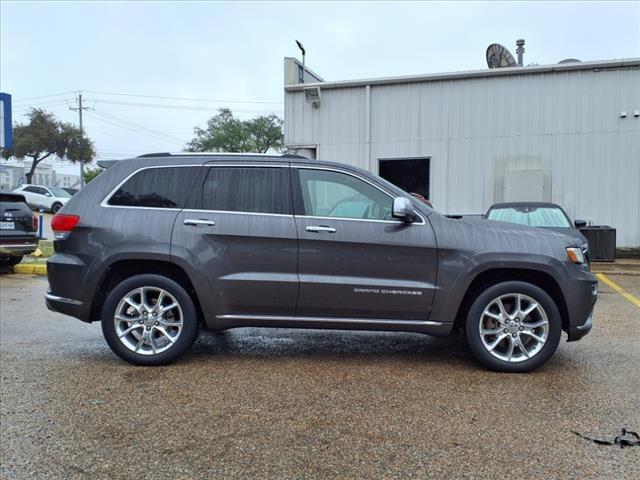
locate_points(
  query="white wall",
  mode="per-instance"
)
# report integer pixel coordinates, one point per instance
(565, 123)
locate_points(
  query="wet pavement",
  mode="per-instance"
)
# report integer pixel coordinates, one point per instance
(262, 403)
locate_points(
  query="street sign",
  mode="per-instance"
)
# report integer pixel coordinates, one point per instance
(6, 128)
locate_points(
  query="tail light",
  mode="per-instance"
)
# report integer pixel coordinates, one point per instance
(34, 223)
(63, 224)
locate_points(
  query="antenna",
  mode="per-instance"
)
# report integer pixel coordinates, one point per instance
(499, 57)
(301, 47)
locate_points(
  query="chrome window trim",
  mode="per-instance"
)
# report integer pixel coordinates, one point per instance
(386, 192)
(196, 210)
(105, 202)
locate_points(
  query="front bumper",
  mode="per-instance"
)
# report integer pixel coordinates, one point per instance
(581, 295)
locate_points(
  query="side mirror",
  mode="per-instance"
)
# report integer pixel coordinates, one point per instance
(47, 194)
(403, 210)
(580, 223)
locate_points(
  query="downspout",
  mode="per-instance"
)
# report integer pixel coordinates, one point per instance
(367, 130)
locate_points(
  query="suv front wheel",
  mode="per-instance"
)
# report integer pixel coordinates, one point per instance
(513, 327)
(149, 320)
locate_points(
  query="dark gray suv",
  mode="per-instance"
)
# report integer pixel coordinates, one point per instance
(158, 246)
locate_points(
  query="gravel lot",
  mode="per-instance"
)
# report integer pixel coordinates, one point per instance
(260, 403)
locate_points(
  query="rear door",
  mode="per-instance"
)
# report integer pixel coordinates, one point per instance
(355, 260)
(238, 232)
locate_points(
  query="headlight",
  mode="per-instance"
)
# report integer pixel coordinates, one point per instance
(575, 255)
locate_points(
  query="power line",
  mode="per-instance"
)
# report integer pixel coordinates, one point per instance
(189, 99)
(180, 107)
(42, 96)
(129, 128)
(129, 123)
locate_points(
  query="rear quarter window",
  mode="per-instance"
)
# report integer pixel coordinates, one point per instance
(162, 187)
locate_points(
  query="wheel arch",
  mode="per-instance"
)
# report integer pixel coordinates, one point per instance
(126, 268)
(493, 276)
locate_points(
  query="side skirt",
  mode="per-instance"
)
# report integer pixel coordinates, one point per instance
(429, 327)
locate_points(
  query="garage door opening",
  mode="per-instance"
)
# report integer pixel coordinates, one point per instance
(410, 174)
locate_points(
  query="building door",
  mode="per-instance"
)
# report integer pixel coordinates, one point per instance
(410, 174)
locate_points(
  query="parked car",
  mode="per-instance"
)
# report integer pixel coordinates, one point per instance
(18, 230)
(542, 215)
(70, 191)
(48, 198)
(159, 246)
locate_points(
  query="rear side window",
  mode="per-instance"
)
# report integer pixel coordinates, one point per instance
(244, 189)
(166, 187)
(38, 190)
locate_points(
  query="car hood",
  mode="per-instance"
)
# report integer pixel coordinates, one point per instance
(490, 236)
(572, 232)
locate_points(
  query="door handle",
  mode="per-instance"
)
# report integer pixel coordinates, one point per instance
(320, 228)
(197, 222)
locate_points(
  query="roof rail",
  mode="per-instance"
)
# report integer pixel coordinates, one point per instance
(293, 155)
(160, 154)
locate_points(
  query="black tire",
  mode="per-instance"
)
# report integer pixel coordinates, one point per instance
(475, 339)
(55, 208)
(190, 326)
(10, 261)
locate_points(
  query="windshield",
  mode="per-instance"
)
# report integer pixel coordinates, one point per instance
(60, 193)
(532, 216)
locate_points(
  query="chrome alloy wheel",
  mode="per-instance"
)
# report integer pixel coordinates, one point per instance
(514, 327)
(148, 320)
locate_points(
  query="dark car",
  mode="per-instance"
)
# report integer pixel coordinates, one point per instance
(539, 214)
(18, 229)
(159, 246)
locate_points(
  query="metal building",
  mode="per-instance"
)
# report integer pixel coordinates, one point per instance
(567, 133)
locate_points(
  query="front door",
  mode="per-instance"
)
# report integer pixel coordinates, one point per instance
(238, 231)
(355, 260)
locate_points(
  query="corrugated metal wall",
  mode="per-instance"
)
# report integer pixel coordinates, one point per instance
(474, 129)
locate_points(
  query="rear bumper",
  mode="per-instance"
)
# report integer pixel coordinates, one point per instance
(18, 247)
(68, 286)
(66, 306)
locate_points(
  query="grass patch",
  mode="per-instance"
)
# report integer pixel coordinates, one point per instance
(46, 247)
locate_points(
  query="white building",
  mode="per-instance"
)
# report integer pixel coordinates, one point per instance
(13, 174)
(566, 133)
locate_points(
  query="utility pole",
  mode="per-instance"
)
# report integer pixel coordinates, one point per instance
(79, 108)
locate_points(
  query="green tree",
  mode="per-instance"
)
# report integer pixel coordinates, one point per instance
(224, 133)
(90, 173)
(44, 136)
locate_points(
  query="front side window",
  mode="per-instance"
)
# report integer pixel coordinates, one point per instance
(333, 194)
(164, 187)
(244, 189)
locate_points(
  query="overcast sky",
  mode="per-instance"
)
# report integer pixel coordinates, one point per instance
(233, 52)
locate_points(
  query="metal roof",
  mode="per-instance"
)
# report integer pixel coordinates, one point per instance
(488, 72)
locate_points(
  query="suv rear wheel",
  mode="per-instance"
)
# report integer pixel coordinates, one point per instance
(513, 327)
(149, 320)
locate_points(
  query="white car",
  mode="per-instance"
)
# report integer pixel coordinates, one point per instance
(48, 198)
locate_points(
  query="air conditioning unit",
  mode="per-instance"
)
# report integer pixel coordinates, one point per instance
(312, 96)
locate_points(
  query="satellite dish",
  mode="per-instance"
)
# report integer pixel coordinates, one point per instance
(570, 60)
(499, 57)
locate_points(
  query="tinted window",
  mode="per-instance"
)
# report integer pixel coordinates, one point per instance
(156, 187)
(38, 190)
(333, 194)
(244, 189)
(533, 216)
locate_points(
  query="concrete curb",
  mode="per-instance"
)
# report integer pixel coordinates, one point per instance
(30, 269)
